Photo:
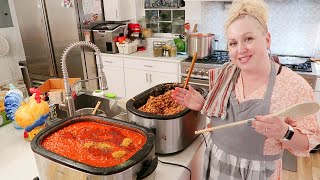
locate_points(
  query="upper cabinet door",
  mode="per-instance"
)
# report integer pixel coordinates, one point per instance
(119, 10)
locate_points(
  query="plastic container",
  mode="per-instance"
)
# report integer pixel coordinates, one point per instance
(127, 48)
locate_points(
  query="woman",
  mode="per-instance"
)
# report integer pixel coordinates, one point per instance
(252, 85)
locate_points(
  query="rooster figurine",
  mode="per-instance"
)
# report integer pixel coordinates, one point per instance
(32, 115)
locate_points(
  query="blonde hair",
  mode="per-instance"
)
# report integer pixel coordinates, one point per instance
(257, 9)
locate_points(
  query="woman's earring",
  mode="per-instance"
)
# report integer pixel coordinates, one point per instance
(270, 54)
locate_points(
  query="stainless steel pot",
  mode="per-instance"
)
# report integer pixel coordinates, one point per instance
(174, 132)
(52, 166)
(200, 43)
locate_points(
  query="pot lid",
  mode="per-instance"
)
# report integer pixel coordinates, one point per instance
(292, 60)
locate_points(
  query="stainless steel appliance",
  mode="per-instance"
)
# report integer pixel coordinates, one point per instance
(47, 28)
(200, 73)
(302, 65)
(52, 166)
(172, 132)
(104, 34)
(200, 43)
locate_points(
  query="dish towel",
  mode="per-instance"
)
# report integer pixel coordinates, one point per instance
(218, 97)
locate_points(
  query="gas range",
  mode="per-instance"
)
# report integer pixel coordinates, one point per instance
(202, 66)
(300, 64)
(296, 63)
(218, 57)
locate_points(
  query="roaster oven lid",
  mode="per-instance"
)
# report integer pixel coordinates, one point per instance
(135, 103)
(136, 158)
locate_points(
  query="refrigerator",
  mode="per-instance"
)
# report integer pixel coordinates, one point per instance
(48, 26)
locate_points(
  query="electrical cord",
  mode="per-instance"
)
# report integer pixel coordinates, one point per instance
(176, 165)
(204, 139)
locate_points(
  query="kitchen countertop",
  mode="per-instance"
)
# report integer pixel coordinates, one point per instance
(148, 55)
(17, 160)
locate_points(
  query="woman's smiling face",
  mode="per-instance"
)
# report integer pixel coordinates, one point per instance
(247, 43)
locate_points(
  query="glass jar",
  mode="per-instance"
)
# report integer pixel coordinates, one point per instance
(157, 49)
(178, 26)
(173, 51)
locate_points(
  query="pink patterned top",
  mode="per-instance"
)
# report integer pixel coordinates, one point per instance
(290, 88)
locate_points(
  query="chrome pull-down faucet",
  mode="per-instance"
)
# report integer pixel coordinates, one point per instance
(69, 102)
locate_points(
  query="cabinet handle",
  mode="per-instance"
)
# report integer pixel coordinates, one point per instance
(117, 14)
(150, 78)
(147, 66)
(147, 79)
(108, 61)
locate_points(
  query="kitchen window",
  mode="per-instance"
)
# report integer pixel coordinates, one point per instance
(162, 13)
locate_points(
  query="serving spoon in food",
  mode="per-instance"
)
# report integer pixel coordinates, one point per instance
(96, 108)
(296, 110)
(194, 58)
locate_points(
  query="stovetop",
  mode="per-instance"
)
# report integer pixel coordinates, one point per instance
(304, 67)
(220, 57)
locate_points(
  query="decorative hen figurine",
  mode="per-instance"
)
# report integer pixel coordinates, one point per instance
(32, 115)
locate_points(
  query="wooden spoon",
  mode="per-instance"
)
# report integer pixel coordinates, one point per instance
(96, 108)
(296, 110)
(194, 58)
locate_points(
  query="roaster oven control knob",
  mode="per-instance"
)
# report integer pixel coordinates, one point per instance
(195, 72)
(201, 72)
(187, 70)
(207, 73)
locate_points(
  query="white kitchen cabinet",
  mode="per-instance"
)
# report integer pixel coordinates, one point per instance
(136, 81)
(156, 78)
(130, 76)
(119, 10)
(113, 69)
(141, 75)
(115, 80)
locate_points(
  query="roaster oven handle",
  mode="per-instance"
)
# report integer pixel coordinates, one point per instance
(148, 167)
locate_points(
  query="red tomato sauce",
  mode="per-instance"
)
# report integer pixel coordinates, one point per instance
(94, 143)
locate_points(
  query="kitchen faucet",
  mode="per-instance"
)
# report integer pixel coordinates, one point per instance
(69, 101)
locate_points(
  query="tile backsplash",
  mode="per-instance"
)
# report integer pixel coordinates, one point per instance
(294, 25)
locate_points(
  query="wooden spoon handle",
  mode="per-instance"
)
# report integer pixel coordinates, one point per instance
(223, 126)
(300, 109)
(96, 108)
(194, 58)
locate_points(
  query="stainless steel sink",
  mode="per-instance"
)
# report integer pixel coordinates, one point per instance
(109, 106)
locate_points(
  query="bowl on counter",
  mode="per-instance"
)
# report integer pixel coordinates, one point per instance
(94, 147)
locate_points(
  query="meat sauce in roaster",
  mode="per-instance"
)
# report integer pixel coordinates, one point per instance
(162, 105)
